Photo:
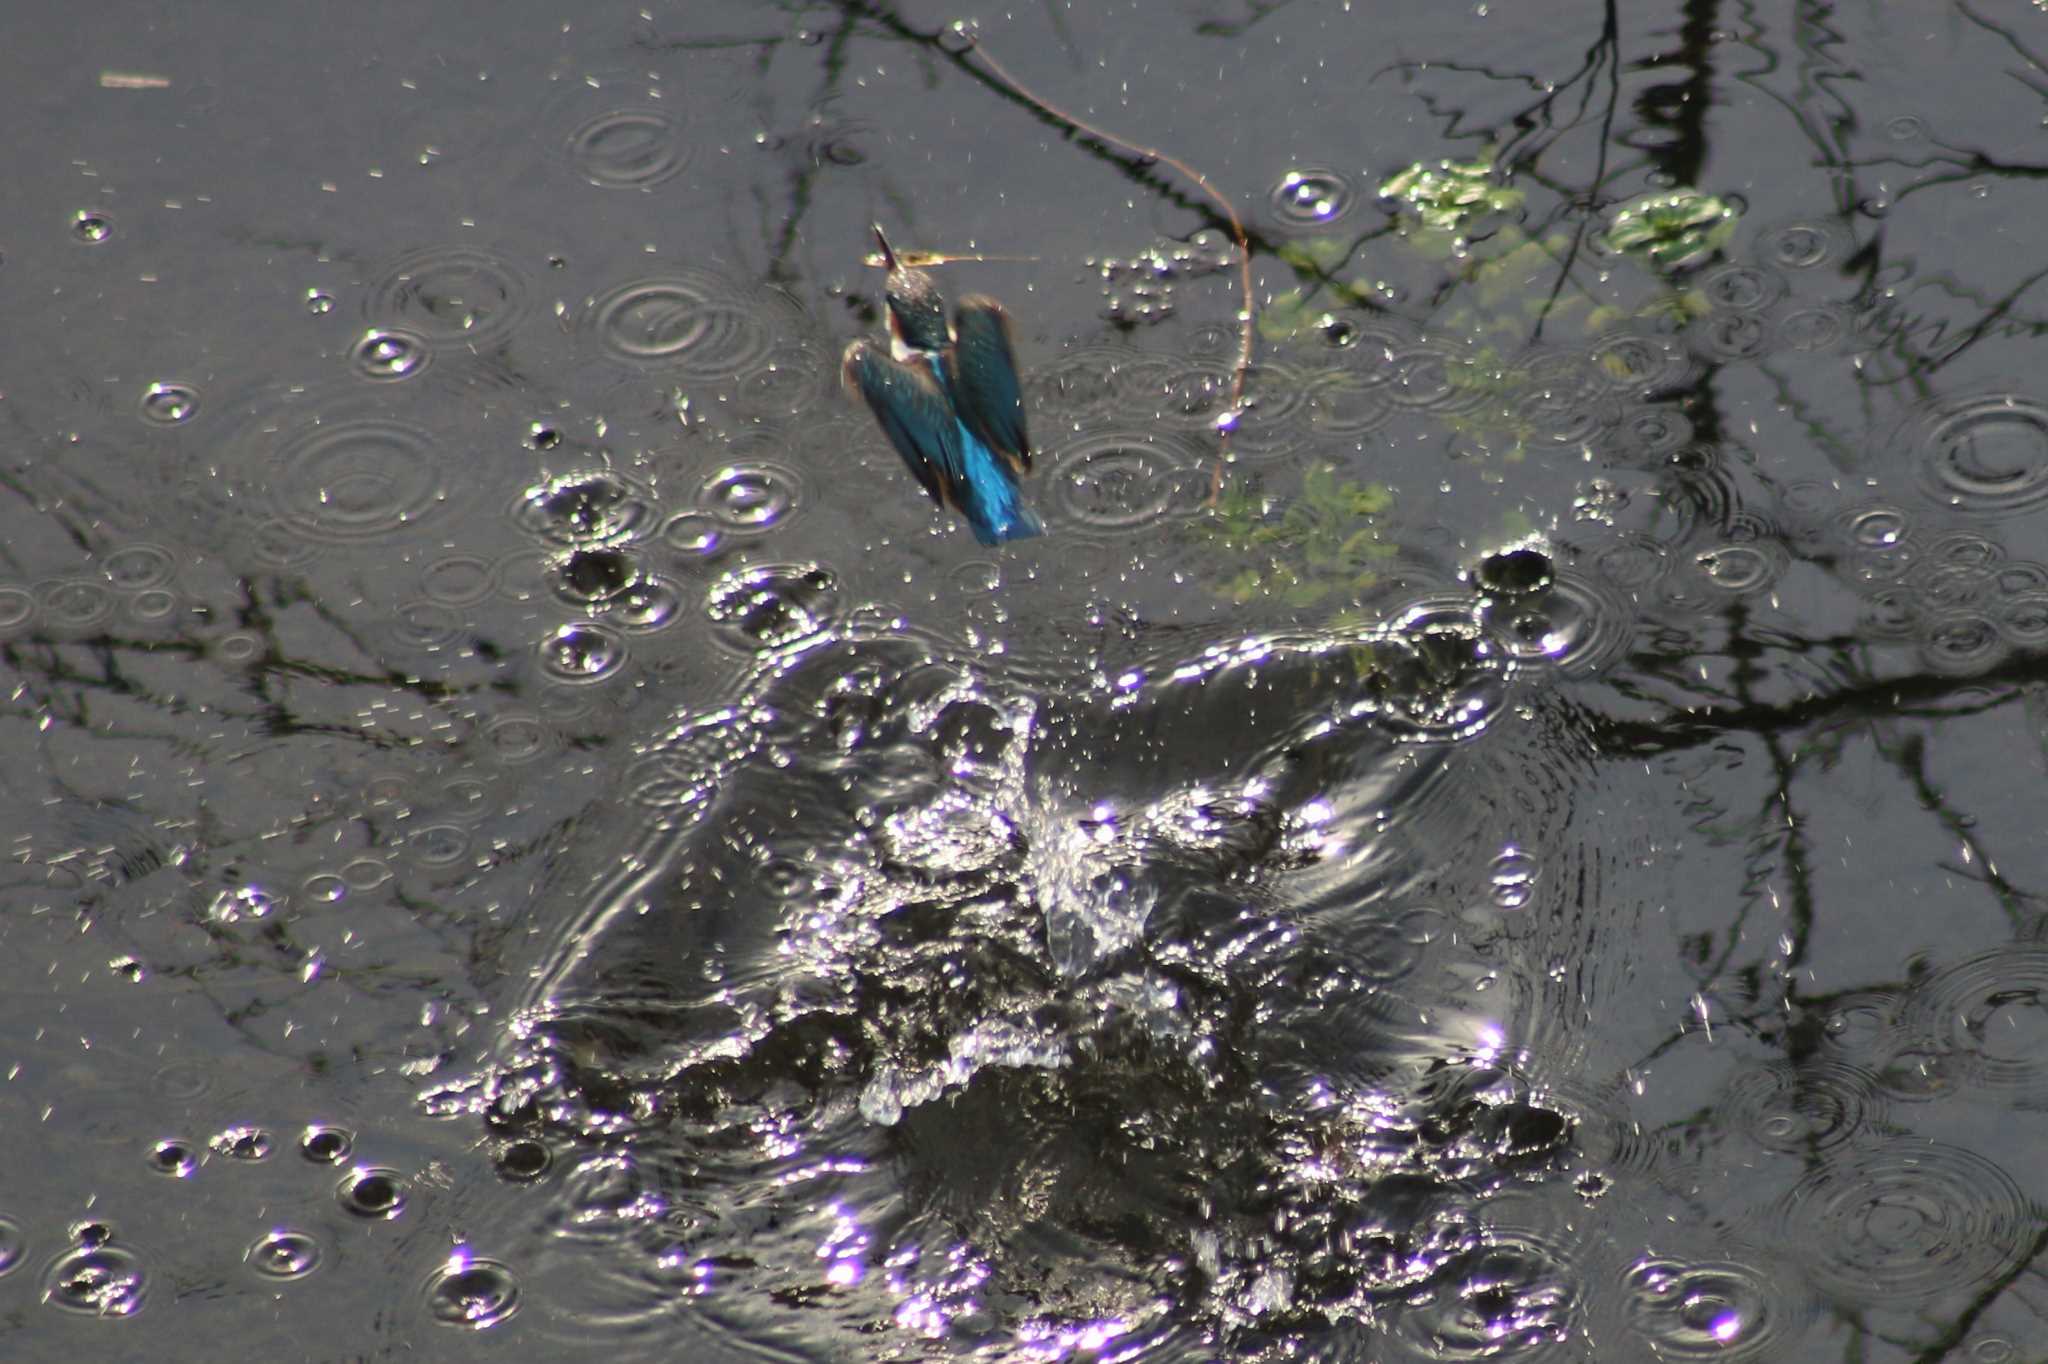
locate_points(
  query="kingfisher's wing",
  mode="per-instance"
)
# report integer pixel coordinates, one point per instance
(981, 371)
(913, 413)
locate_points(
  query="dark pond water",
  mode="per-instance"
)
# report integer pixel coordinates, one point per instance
(530, 838)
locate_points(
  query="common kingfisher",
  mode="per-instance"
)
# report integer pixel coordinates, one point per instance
(949, 400)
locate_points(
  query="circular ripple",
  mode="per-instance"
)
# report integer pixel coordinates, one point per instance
(1712, 1309)
(772, 606)
(1572, 623)
(169, 403)
(692, 324)
(471, 1292)
(1122, 480)
(355, 480)
(283, 1255)
(1990, 1012)
(2023, 620)
(1802, 243)
(1741, 567)
(448, 293)
(13, 1245)
(1802, 1109)
(1311, 197)
(98, 1279)
(75, 604)
(1905, 1222)
(628, 148)
(1640, 364)
(1814, 328)
(1987, 454)
(1742, 288)
(138, 567)
(751, 496)
(1961, 642)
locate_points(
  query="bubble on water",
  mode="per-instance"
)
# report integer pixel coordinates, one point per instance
(98, 1279)
(174, 1157)
(751, 496)
(1312, 197)
(628, 148)
(326, 1144)
(1986, 454)
(1512, 878)
(169, 403)
(356, 479)
(319, 302)
(772, 606)
(581, 651)
(91, 225)
(388, 355)
(283, 1254)
(692, 325)
(1121, 480)
(589, 508)
(470, 1291)
(448, 293)
(373, 1192)
(1905, 1222)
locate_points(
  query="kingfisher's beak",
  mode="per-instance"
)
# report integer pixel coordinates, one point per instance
(888, 256)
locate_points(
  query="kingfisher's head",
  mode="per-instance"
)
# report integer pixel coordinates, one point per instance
(917, 311)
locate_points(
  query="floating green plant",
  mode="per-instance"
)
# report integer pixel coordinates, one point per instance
(1672, 229)
(1450, 194)
(1324, 543)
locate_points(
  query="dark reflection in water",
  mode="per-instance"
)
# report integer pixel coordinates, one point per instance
(1529, 853)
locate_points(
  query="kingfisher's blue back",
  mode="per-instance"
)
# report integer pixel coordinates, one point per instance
(948, 398)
